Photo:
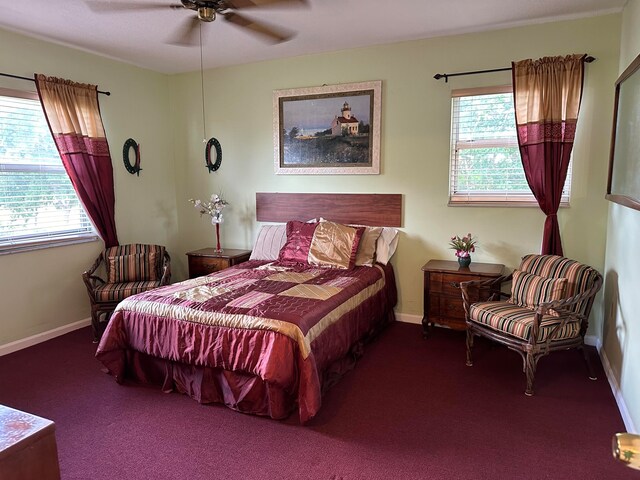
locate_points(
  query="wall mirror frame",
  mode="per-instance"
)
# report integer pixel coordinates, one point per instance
(623, 183)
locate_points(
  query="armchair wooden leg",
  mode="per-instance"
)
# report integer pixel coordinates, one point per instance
(585, 355)
(530, 372)
(469, 347)
(95, 325)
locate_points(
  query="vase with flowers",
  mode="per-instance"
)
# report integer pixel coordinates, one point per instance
(213, 208)
(463, 246)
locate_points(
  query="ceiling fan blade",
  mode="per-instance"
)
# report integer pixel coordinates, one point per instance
(238, 4)
(187, 35)
(100, 7)
(267, 32)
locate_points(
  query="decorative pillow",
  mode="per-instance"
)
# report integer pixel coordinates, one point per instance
(271, 239)
(386, 245)
(299, 236)
(136, 267)
(335, 245)
(365, 256)
(529, 290)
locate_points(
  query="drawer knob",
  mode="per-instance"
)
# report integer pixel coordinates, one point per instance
(454, 284)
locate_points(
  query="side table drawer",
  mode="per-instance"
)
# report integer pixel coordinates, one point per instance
(442, 306)
(199, 266)
(448, 283)
(452, 307)
(208, 260)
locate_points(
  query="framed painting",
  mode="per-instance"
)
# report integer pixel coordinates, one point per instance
(623, 185)
(332, 129)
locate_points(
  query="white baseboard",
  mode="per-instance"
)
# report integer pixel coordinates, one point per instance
(42, 337)
(615, 387)
(409, 318)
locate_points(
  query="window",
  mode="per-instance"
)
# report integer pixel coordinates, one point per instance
(485, 166)
(38, 205)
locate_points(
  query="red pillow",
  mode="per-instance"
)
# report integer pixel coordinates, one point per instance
(299, 236)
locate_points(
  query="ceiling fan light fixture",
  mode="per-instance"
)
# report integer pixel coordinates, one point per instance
(206, 11)
(206, 14)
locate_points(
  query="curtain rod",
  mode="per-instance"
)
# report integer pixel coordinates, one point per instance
(33, 80)
(446, 76)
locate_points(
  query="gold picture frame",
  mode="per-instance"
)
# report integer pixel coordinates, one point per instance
(328, 130)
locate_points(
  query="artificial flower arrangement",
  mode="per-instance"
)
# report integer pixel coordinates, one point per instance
(463, 245)
(213, 207)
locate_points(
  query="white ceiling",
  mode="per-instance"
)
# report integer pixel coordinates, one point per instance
(139, 37)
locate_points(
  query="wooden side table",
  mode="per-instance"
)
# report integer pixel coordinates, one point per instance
(206, 260)
(27, 446)
(442, 296)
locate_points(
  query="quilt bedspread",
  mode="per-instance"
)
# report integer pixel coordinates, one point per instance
(284, 324)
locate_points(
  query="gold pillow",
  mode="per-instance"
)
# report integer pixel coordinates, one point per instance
(365, 256)
(334, 245)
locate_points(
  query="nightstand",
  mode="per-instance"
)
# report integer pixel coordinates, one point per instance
(206, 260)
(442, 296)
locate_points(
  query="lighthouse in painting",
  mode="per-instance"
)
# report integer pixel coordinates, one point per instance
(345, 124)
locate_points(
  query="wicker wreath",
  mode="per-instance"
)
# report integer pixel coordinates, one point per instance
(135, 168)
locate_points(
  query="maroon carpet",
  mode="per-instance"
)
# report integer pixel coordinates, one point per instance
(411, 409)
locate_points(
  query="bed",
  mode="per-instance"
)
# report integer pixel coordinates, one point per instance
(268, 336)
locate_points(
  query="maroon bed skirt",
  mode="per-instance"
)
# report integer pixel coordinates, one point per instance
(239, 391)
(176, 337)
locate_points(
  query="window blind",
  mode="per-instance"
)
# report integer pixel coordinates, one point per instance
(485, 165)
(38, 205)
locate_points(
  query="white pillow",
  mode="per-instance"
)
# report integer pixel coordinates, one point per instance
(271, 238)
(386, 245)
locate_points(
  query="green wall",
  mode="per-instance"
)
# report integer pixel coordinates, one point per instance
(621, 335)
(42, 290)
(414, 147)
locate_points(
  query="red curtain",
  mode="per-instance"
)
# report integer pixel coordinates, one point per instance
(547, 94)
(73, 114)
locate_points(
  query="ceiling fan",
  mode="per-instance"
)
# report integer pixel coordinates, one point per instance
(208, 11)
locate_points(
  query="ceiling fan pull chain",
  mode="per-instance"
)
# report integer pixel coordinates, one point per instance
(204, 123)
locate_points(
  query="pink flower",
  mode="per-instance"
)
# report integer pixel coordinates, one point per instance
(463, 245)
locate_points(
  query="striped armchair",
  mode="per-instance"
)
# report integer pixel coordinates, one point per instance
(548, 310)
(128, 269)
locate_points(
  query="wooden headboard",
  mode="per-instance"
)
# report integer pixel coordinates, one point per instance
(375, 209)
